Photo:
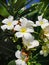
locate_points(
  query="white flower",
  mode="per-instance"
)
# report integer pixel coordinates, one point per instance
(26, 22)
(45, 50)
(23, 31)
(46, 31)
(41, 22)
(8, 23)
(21, 58)
(30, 43)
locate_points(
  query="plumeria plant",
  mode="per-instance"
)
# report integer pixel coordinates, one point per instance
(24, 32)
(27, 31)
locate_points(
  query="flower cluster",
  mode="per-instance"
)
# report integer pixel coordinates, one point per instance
(26, 29)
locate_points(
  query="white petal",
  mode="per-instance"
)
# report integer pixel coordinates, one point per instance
(40, 18)
(37, 23)
(17, 28)
(5, 21)
(44, 25)
(41, 52)
(15, 22)
(18, 54)
(24, 63)
(34, 43)
(23, 21)
(18, 34)
(18, 62)
(3, 27)
(10, 27)
(29, 23)
(30, 30)
(45, 20)
(10, 18)
(27, 36)
(45, 54)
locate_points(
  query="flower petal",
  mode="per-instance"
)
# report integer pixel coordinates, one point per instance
(23, 21)
(20, 62)
(18, 54)
(15, 22)
(5, 21)
(27, 36)
(37, 23)
(41, 52)
(18, 34)
(17, 28)
(40, 18)
(45, 20)
(10, 18)
(34, 43)
(30, 30)
(3, 27)
(10, 27)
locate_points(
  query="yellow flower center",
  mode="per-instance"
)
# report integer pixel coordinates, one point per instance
(9, 23)
(23, 30)
(41, 22)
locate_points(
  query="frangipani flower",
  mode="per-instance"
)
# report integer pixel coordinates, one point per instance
(41, 22)
(27, 23)
(30, 43)
(45, 50)
(21, 58)
(46, 31)
(8, 23)
(23, 31)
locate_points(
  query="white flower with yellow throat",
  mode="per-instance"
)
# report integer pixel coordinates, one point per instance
(8, 23)
(41, 22)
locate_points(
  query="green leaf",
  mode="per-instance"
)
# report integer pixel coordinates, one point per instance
(37, 64)
(45, 1)
(3, 11)
(19, 4)
(12, 62)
